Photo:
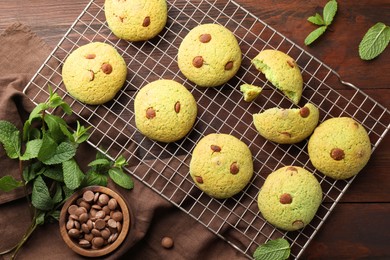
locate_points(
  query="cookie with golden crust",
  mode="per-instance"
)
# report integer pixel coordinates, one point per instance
(289, 198)
(164, 110)
(136, 20)
(209, 55)
(287, 126)
(221, 165)
(282, 71)
(339, 147)
(94, 73)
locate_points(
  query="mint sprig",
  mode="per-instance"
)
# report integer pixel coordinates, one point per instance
(374, 41)
(324, 21)
(278, 249)
(46, 150)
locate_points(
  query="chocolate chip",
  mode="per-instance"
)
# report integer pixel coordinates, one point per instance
(292, 168)
(90, 75)
(304, 112)
(177, 107)
(90, 56)
(199, 179)
(337, 154)
(234, 169)
(88, 196)
(287, 134)
(97, 242)
(298, 224)
(205, 38)
(291, 63)
(106, 68)
(197, 62)
(150, 113)
(146, 21)
(215, 148)
(229, 65)
(285, 198)
(167, 242)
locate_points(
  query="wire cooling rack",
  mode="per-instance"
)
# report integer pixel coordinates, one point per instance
(164, 167)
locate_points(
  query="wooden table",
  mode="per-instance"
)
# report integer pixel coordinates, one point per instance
(357, 228)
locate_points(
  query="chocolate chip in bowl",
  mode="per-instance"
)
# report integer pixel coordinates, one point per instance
(95, 221)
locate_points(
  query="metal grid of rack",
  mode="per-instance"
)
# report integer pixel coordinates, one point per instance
(164, 167)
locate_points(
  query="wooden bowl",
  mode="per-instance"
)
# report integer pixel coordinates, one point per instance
(74, 243)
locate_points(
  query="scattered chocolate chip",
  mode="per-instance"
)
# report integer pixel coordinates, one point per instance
(197, 62)
(285, 198)
(292, 168)
(234, 169)
(91, 75)
(215, 148)
(167, 242)
(229, 65)
(177, 107)
(298, 224)
(291, 63)
(286, 134)
(304, 112)
(146, 21)
(90, 56)
(199, 179)
(205, 38)
(106, 68)
(150, 113)
(337, 154)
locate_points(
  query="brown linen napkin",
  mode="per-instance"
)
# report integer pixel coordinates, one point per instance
(155, 217)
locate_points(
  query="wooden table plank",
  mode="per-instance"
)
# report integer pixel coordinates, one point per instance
(357, 227)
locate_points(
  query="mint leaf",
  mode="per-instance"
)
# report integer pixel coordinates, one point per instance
(374, 41)
(8, 183)
(48, 148)
(330, 10)
(54, 124)
(40, 217)
(57, 198)
(120, 162)
(96, 162)
(32, 171)
(63, 152)
(10, 138)
(40, 196)
(94, 178)
(316, 19)
(72, 174)
(54, 173)
(278, 249)
(315, 34)
(32, 149)
(121, 178)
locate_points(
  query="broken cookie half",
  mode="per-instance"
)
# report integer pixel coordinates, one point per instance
(282, 71)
